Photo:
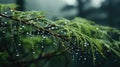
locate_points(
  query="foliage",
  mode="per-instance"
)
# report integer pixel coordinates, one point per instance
(29, 39)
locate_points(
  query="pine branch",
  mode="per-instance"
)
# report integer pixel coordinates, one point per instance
(39, 28)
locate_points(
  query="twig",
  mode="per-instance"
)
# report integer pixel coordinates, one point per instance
(39, 28)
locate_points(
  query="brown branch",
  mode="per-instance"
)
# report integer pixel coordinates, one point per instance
(39, 28)
(11, 17)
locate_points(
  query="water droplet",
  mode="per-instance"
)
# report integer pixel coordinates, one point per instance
(78, 50)
(94, 58)
(5, 22)
(42, 46)
(64, 33)
(80, 56)
(56, 27)
(14, 26)
(54, 43)
(76, 53)
(85, 45)
(5, 12)
(33, 52)
(31, 36)
(43, 36)
(23, 26)
(72, 48)
(85, 58)
(52, 28)
(80, 42)
(27, 33)
(20, 28)
(3, 31)
(11, 10)
(66, 22)
(38, 33)
(19, 44)
(17, 55)
(2, 24)
(97, 28)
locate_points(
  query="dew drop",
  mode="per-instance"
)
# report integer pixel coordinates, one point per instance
(23, 26)
(5, 22)
(85, 58)
(97, 28)
(3, 31)
(20, 28)
(94, 58)
(17, 55)
(72, 48)
(80, 42)
(42, 46)
(65, 33)
(54, 43)
(43, 36)
(78, 50)
(80, 56)
(14, 26)
(2, 24)
(33, 52)
(38, 33)
(85, 45)
(56, 27)
(19, 44)
(76, 53)
(65, 22)
(27, 33)
(11, 10)
(52, 28)
(5, 12)
(31, 36)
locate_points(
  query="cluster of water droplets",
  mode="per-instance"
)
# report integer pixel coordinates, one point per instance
(4, 23)
(78, 55)
(81, 55)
